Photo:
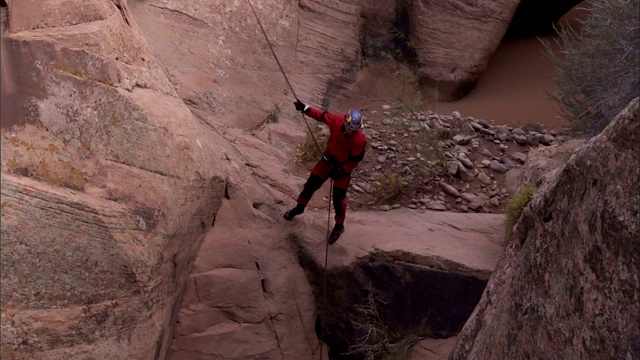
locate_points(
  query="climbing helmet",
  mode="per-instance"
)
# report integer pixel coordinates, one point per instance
(352, 121)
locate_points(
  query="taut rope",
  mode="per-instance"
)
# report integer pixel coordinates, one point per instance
(326, 254)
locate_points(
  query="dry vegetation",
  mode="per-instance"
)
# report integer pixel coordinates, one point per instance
(517, 203)
(599, 64)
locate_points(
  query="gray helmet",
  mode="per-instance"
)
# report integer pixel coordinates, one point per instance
(353, 121)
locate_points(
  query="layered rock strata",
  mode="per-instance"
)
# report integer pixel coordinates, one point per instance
(108, 184)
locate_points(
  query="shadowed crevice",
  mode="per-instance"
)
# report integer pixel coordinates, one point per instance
(410, 299)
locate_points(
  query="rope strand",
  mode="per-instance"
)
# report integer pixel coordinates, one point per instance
(326, 255)
(326, 259)
(283, 73)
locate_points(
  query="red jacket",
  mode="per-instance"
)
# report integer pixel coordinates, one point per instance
(348, 150)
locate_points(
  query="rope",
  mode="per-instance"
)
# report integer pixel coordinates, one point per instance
(326, 258)
(283, 73)
(326, 253)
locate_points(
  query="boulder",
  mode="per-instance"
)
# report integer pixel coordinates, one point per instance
(453, 41)
(567, 285)
(542, 164)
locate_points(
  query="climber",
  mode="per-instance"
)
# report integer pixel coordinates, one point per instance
(345, 149)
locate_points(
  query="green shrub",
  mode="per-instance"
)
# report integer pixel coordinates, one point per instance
(389, 188)
(406, 91)
(308, 150)
(599, 64)
(517, 202)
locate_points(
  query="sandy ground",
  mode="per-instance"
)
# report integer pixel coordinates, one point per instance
(514, 90)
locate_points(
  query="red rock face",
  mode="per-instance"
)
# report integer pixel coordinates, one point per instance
(569, 277)
(21, 81)
(111, 183)
(95, 148)
(454, 41)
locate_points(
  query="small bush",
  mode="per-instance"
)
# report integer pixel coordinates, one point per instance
(444, 134)
(388, 188)
(599, 64)
(308, 151)
(408, 94)
(517, 203)
(272, 118)
(377, 340)
(406, 91)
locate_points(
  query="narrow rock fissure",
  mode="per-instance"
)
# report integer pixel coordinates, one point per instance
(226, 191)
(385, 303)
(156, 356)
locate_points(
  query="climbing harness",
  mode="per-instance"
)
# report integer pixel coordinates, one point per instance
(326, 253)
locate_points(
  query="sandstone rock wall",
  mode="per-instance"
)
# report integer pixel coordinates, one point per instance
(454, 40)
(221, 65)
(247, 297)
(568, 284)
(108, 185)
(117, 182)
(247, 293)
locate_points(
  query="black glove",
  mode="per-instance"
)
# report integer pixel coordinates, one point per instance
(300, 106)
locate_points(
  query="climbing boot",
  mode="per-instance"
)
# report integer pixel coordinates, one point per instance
(335, 233)
(290, 214)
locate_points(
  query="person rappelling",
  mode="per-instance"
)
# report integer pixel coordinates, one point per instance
(345, 149)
